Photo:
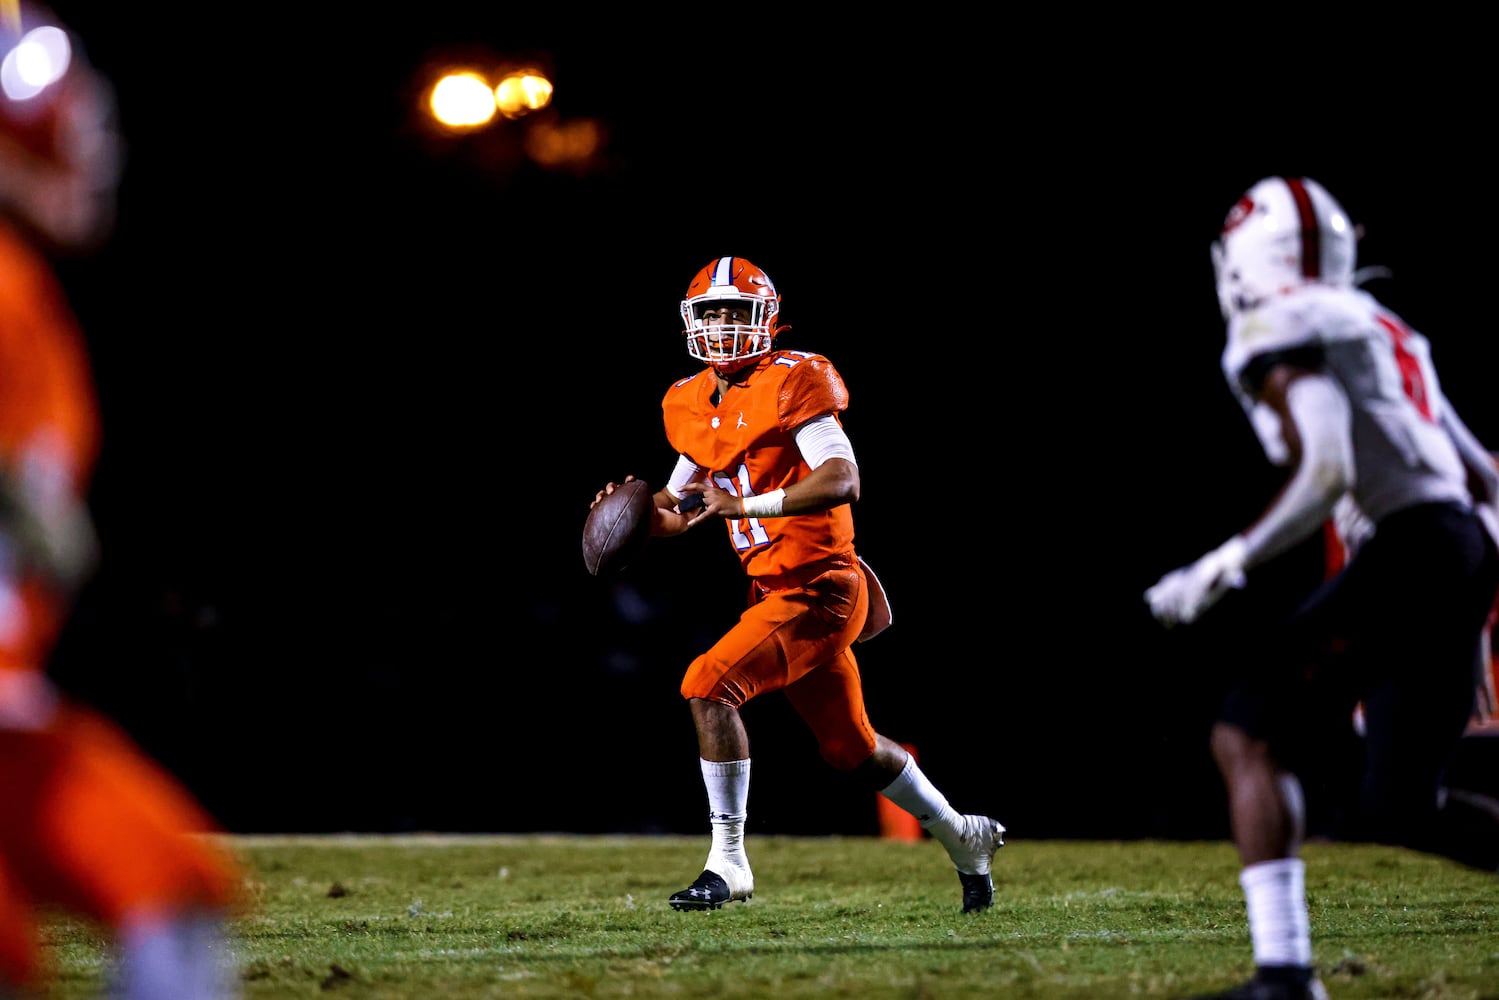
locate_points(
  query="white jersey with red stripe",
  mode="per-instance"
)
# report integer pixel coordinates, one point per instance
(1403, 453)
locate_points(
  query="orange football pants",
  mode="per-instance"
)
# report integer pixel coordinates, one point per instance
(18, 936)
(89, 823)
(797, 635)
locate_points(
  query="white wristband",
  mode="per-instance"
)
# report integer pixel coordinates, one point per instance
(766, 505)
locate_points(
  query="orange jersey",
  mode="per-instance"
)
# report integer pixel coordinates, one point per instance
(49, 424)
(88, 822)
(746, 445)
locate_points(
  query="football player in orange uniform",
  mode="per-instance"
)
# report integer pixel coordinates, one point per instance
(762, 451)
(88, 823)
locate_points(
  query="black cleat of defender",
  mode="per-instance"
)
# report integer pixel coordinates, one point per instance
(978, 892)
(708, 892)
(1297, 984)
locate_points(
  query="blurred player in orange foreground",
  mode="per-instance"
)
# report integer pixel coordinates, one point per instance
(88, 823)
(762, 452)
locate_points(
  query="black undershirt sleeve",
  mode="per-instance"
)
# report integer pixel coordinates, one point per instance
(1310, 357)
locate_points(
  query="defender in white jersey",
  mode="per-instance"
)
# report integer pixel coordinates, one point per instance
(1343, 393)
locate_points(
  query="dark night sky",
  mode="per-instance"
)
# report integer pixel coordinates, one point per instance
(341, 505)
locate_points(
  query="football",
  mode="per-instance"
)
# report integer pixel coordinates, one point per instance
(617, 528)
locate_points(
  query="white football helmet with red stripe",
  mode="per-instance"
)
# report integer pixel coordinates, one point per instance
(1283, 233)
(730, 282)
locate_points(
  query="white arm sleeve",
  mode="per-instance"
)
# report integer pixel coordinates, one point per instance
(685, 471)
(1266, 425)
(1476, 457)
(1324, 422)
(821, 439)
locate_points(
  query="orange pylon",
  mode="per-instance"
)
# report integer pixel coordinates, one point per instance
(895, 822)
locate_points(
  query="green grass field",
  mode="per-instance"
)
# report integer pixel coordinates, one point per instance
(428, 917)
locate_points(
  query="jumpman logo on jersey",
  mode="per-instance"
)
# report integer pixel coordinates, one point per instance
(741, 421)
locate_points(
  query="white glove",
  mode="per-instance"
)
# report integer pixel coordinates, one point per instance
(1182, 595)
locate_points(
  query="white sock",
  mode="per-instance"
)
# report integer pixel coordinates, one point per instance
(1295, 802)
(1275, 893)
(182, 955)
(916, 794)
(727, 783)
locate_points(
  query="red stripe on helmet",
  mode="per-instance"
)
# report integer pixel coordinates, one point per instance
(1311, 230)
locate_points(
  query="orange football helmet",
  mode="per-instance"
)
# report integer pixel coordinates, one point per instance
(730, 282)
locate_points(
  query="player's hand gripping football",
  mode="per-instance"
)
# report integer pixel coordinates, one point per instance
(703, 500)
(1182, 595)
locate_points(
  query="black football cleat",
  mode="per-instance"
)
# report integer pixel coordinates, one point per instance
(978, 892)
(1297, 985)
(973, 855)
(708, 892)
